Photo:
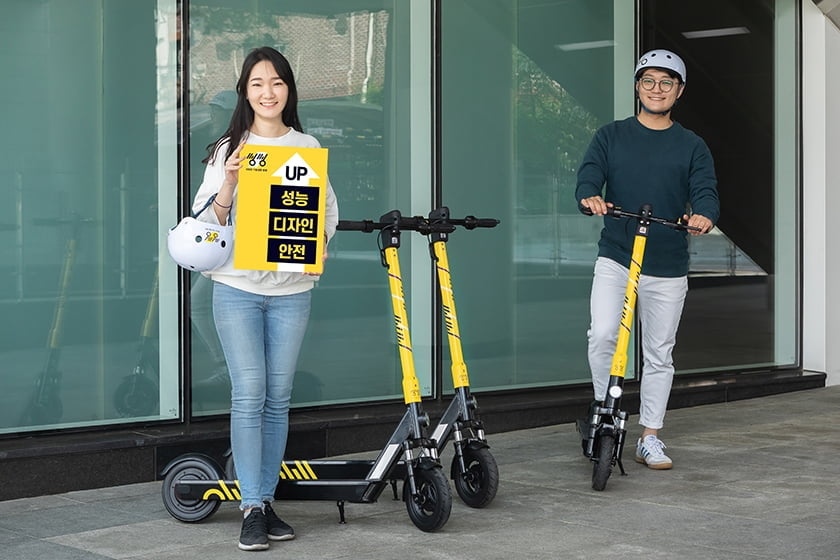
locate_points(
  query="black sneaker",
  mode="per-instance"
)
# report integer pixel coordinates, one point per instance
(278, 530)
(254, 535)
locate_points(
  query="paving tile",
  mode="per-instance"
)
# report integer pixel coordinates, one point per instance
(753, 479)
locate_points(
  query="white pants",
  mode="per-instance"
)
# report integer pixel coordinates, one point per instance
(659, 305)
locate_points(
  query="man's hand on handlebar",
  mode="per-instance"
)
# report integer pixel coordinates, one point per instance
(702, 223)
(595, 205)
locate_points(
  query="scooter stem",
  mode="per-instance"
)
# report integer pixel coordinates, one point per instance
(390, 242)
(618, 368)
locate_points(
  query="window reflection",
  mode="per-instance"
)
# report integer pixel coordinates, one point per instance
(345, 84)
(79, 237)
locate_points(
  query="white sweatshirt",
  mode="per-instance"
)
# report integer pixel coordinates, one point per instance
(263, 282)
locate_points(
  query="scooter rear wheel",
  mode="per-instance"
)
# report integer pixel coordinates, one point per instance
(602, 465)
(429, 509)
(478, 484)
(189, 467)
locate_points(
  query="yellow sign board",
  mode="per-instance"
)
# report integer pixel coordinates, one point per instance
(281, 205)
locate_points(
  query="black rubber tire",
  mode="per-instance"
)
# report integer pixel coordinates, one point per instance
(429, 509)
(602, 465)
(136, 395)
(476, 486)
(190, 467)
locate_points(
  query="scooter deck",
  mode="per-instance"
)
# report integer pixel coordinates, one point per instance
(228, 490)
(334, 480)
(303, 480)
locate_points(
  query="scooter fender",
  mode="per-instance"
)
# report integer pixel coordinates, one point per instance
(425, 463)
(477, 444)
(197, 456)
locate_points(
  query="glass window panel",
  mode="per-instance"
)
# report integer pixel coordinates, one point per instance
(81, 235)
(525, 85)
(357, 69)
(741, 309)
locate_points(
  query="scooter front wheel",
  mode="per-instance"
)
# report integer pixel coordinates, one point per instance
(602, 465)
(478, 484)
(430, 507)
(136, 395)
(189, 467)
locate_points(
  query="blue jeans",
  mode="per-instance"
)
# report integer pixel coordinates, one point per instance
(261, 337)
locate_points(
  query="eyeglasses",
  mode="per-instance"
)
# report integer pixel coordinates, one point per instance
(664, 85)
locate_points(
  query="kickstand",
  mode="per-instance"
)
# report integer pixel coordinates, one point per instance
(341, 519)
(621, 467)
(394, 489)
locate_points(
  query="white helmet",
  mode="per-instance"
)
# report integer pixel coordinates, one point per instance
(660, 58)
(199, 246)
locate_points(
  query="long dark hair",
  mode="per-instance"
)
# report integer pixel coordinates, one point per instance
(243, 115)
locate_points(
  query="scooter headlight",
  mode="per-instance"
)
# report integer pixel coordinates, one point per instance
(615, 391)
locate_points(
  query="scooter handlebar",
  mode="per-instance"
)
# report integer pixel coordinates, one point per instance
(408, 223)
(358, 225)
(617, 212)
(419, 224)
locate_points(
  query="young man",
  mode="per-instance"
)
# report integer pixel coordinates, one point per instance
(646, 159)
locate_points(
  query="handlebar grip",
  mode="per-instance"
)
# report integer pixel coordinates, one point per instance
(611, 211)
(471, 222)
(353, 225)
(484, 222)
(683, 224)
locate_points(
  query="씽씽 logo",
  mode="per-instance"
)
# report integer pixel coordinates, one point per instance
(257, 159)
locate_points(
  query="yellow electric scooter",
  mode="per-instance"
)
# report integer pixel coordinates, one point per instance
(194, 485)
(605, 431)
(45, 406)
(474, 470)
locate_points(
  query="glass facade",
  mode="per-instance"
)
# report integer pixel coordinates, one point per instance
(89, 110)
(514, 156)
(741, 310)
(113, 107)
(363, 81)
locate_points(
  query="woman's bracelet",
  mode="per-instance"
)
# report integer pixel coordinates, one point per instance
(215, 201)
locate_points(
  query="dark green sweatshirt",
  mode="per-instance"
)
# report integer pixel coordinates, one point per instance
(672, 170)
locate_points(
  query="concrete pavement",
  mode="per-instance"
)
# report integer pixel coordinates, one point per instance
(752, 479)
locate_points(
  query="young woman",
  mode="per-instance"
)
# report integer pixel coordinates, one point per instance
(260, 316)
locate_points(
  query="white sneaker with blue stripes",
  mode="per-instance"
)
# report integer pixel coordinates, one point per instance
(649, 451)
